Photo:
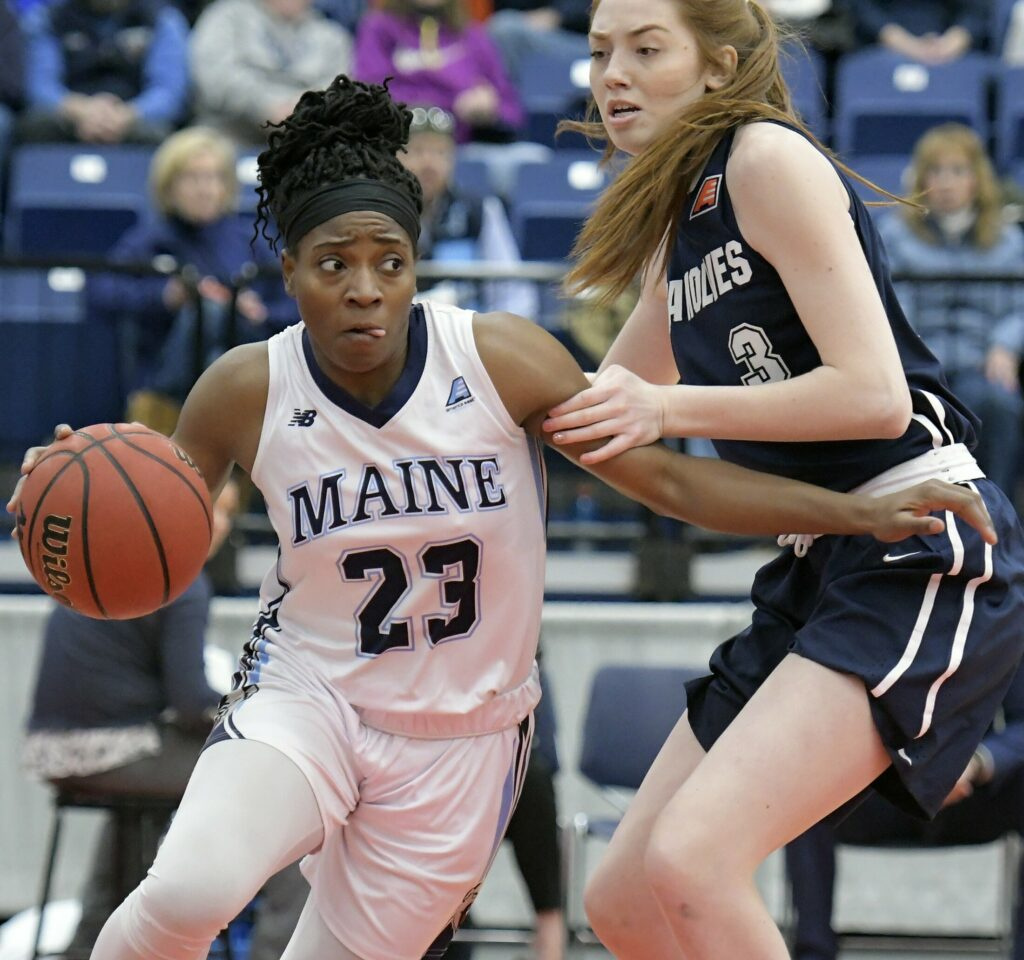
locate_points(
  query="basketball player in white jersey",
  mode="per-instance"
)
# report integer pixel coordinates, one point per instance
(380, 720)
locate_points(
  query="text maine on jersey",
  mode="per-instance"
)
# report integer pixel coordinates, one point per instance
(418, 485)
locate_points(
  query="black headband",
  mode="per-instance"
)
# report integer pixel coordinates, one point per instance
(311, 209)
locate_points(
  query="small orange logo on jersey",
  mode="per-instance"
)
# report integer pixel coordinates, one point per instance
(707, 196)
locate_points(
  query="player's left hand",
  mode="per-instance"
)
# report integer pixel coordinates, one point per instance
(897, 516)
(618, 405)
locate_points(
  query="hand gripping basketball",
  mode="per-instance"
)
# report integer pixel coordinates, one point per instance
(113, 520)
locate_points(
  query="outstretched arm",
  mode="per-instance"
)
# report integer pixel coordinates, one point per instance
(707, 492)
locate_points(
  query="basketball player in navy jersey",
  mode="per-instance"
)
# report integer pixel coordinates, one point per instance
(767, 322)
(380, 718)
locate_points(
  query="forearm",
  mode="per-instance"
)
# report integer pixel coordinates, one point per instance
(721, 496)
(824, 404)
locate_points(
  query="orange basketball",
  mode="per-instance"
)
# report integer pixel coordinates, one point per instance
(114, 521)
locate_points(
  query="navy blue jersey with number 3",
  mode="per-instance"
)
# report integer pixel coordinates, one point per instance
(732, 323)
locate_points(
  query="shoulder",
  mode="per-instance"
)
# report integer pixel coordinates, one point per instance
(529, 368)
(768, 155)
(243, 373)
(780, 183)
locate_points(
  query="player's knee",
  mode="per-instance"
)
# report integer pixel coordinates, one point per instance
(604, 904)
(195, 908)
(679, 865)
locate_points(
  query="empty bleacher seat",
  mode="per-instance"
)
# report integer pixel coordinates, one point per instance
(73, 199)
(804, 71)
(1009, 116)
(888, 171)
(999, 24)
(553, 89)
(551, 200)
(473, 177)
(57, 373)
(884, 102)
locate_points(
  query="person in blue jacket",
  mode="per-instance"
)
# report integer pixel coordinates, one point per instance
(987, 803)
(197, 231)
(104, 71)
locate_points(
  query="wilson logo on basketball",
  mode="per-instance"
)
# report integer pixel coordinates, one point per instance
(707, 196)
(184, 457)
(56, 532)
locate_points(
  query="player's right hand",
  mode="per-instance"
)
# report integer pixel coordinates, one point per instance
(31, 458)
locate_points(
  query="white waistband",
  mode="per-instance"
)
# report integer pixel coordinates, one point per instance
(954, 464)
(505, 710)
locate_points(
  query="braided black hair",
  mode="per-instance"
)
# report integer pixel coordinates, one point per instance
(351, 130)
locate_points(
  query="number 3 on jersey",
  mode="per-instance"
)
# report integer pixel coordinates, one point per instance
(750, 346)
(455, 564)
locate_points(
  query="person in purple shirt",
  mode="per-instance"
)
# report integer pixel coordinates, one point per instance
(104, 71)
(437, 57)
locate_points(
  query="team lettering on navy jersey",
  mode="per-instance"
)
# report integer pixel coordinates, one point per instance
(719, 271)
(732, 323)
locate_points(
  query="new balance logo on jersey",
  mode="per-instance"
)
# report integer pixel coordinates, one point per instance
(302, 418)
(707, 196)
(459, 395)
(722, 269)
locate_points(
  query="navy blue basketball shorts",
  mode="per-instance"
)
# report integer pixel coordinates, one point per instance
(933, 625)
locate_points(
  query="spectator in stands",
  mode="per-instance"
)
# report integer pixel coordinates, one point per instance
(457, 227)
(556, 29)
(253, 59)
(930, 31)
(824, 24)
(194, 191)
(987, 803)
(104, 71)
(975, 329)
(436, 56)
(12, 82)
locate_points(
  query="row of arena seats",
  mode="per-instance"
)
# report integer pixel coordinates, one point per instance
(70, 200)
(73, 201)
(881, 103)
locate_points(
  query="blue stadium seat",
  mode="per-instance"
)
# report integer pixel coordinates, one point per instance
(553, 89)
(55, 295)
(885, 102)
(1016, 172)
(59, 373)
(473, 177)
(1009, 116)
(888, 171)
(999, 24)
(804, 71)
(74, 200)
(247, 172)
(552, 199)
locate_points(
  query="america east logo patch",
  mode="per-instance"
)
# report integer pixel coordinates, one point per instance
(707, 196)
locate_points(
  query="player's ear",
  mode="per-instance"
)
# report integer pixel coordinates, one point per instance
(722, 69)
(287, 270)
